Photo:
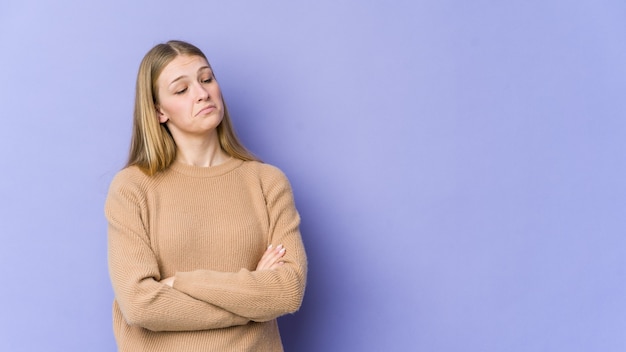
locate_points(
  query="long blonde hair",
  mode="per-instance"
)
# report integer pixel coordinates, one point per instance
(152, 147)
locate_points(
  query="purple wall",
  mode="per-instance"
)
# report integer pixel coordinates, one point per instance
(459, 167)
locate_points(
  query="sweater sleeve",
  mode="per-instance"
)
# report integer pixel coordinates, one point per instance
(135, 275)
(266, 294)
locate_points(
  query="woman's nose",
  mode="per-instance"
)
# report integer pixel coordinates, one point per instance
(201, 92)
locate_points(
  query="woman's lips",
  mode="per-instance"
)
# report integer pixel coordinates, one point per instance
(206, 110)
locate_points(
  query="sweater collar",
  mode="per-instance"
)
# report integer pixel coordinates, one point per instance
(211, 171)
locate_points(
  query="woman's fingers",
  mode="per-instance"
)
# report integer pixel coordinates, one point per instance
(271, 257)
(169, 281)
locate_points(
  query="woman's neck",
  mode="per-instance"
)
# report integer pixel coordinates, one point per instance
(202, 152)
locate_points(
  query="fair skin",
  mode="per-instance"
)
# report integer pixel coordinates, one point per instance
(190, 104)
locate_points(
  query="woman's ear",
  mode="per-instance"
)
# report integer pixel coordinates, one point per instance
(161, 115)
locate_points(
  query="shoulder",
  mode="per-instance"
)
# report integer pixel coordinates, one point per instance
(266, 173)
(272, 180)
(130, 175)
(130, 181)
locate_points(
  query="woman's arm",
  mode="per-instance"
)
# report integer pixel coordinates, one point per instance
(135, 275)
(269, 261)
(262, 294)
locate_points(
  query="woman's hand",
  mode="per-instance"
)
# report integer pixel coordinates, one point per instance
(168, 281)
(271, 258)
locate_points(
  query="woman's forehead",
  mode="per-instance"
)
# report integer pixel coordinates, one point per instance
(183, 65)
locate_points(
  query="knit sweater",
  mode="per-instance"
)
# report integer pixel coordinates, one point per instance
(207, 227)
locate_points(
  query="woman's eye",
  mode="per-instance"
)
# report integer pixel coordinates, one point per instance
(208, 80)
(181, 91)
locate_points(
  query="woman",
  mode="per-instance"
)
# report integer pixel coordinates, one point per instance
(204, 244)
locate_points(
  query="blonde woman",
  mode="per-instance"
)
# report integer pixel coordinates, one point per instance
(204, 244)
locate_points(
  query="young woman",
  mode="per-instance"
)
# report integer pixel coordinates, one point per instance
(204, 244)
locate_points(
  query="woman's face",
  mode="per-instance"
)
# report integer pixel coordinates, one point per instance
(189, 98)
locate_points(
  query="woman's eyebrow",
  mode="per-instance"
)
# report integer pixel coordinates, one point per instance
(177, 79)
(183, 76)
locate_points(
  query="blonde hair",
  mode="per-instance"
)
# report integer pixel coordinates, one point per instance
(152, 147)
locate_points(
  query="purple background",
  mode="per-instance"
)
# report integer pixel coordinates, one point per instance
(459, 166)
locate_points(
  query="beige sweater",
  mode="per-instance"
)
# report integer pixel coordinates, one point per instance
(209, 227)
